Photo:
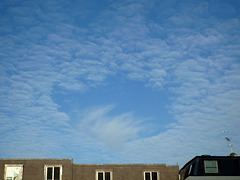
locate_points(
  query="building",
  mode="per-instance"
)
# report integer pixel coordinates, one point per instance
(64, 169)
(211, 168)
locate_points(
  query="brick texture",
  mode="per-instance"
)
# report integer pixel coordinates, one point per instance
(33, 169)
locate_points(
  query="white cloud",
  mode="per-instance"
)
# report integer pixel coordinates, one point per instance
(111, 131)
(194, 58)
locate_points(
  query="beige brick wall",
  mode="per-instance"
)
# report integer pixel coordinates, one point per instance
(124, 171)
(33, 169)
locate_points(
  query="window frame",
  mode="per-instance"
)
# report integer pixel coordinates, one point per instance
(205, 166)
(144, 174)
(52, 166)
(104, 171)
(12, 165)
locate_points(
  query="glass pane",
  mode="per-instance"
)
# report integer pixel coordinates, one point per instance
(147, 175)
(211, 170)
(14, 173)
(107, 176)
(49, 173)
(56, 173)
(211, 163)
(211, 167)
(100, 176)
(154, 175)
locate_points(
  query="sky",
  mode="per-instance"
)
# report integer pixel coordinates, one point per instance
(119, 81)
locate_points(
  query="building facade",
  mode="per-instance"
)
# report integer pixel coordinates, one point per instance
(211, 168)
(64, 169)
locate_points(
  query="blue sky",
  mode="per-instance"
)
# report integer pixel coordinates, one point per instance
(130, 81)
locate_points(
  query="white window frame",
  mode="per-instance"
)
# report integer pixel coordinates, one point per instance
(52, 166)
(12, 165)
(205, 167)
(104, 171)
(151, 174)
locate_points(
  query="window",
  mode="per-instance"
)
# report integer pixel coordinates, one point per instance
(13, 172)
(151, 175)
(104, 175)
(211, 166)
(53, 172)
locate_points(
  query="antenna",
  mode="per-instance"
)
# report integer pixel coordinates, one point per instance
(230, 144)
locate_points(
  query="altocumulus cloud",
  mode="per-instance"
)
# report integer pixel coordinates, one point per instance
(185, 49)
